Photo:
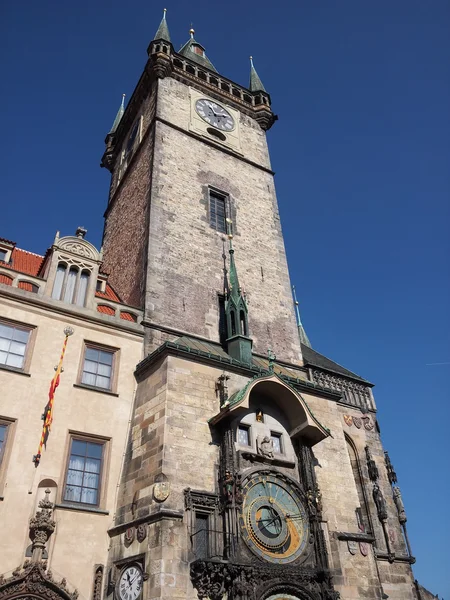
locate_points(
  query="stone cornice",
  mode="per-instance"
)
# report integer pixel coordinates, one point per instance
(162, 514)
(69, 310)
(232, 365)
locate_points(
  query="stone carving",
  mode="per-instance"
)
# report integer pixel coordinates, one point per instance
(77, 246)
(371, 465)
(41, 527)
(352, 546)
(216, 581)
(392, 475)
(161, 491)
(222, 389)
(348, 420)
(34, 581)
(380, 502)
(368, 425)
(141, 532)
(264, 446)
(399, 504)
(228, 487)
(98, 583)
(198, 499)
(128, 536)
(355, 393)
(357, 422)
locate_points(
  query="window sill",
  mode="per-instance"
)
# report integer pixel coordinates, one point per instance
(92, 388)
(82, 508)
(14, 370)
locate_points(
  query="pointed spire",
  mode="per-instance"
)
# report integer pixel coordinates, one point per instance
(163, 30)
(255, 84)
(235, 288)
(301, 331)
(119, 115)
(196, 52)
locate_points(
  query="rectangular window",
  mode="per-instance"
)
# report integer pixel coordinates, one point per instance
(3, 254)
(3, 435)
(276, 442)
(82, 482)
(98, 367)
(201, 544)
(217, 211)
(13, 344)
(243, 435)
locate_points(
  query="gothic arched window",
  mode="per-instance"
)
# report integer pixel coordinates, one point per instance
(71, 284)
(363, 513)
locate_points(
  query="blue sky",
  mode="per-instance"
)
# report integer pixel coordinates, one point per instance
(361, 152)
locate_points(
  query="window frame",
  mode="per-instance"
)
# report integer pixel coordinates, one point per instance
(217, 194)
(103, 475)
(114, 367)
(277, 434)
(127, 157)
(28, 348)
(6, 450)
(248, 428)
(79, 271)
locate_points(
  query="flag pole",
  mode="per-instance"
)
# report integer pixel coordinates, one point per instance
(47, 416)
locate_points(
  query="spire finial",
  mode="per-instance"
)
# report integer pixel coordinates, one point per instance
(191, 32)
(119, 115)
(255, 84)
(162, 32)
(301, 331)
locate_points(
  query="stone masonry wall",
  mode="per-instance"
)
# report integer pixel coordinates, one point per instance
(126, 224)
(185, 263)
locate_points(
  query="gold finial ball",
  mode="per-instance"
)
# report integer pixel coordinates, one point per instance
(191, 31)
(230, 236)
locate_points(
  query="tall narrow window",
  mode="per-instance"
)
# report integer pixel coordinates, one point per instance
(59, 280)
(82, 483)
(70, 285)
(217, 211)
(363, 512)
(13, 345)
(201, 535)
(82, 288)
(3, 434)
(276, 442)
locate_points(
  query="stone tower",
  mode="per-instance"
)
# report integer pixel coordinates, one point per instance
(254, 467)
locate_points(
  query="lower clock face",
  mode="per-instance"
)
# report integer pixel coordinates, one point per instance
(274, 523)
(129, 586)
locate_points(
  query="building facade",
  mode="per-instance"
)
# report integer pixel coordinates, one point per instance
(199, 447)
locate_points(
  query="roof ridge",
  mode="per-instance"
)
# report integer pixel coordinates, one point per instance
(29, 252)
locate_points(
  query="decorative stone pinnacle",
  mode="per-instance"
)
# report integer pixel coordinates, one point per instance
(41, 527)
(81, 231)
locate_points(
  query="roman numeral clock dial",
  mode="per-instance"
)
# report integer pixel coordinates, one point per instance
(129, 586)
(214, 114)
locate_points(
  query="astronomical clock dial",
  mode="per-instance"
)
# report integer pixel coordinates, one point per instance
(214, 114)
(129, 586)
(274, 523)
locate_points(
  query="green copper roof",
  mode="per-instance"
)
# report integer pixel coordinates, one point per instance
(163, 31)
(235, 288)
(255, 84)
(201, 59)
(119, 115)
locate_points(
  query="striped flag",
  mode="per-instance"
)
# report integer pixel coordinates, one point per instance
(47, 417)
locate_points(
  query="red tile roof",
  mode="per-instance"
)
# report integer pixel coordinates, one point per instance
(126, 316)
(107, 310)
(109, 294)
(24, 262)
(29, 263)
(5, 279)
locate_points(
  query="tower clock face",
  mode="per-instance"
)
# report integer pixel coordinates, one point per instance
(129, 586)
(274, 523)
(214, 114)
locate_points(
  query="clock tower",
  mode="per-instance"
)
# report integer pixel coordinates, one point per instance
(220, 495)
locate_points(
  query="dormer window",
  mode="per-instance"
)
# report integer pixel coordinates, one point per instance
(3, 255)
(71, 284)
(198, 50)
